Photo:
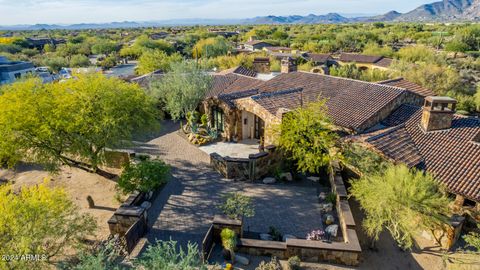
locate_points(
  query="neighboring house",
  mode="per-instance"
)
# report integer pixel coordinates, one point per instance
(159, 35)
(365, 61)
(222, 32)
(256, 45)
(435, 139)
(13, 70)
(240, 70)
(39, 43)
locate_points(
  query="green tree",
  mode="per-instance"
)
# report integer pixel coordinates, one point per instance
(72, 122)
(306, 134)
(145, 176)
(375, 49)
(39, 220)
(153, 60)
(104, 47)
(402, 201)
(167, 255)
(211, 47)
(55, 63)
(79, 60)
(477, 98)
(236, 205)
(347, 71)
(363, 160)
(181, 90)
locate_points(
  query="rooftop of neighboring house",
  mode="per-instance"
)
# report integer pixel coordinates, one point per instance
(239, 70)
(10, 66)
(359, 58)
(452, 154)
(255, 42)
(318, 57)
(411, 86)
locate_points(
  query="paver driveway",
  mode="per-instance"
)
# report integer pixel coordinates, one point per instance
(185, 208)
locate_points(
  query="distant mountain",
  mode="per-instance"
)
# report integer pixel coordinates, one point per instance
(443, 11)
(446, 10)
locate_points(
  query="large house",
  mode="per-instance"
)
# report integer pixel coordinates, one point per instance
(388, 116)
(13, 70)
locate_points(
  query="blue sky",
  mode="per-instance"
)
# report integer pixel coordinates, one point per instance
(91, 11)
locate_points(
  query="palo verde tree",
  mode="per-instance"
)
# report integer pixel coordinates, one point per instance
(307, 135)
(73, 122)
(402, 201)
(181, 90)
(40, 221)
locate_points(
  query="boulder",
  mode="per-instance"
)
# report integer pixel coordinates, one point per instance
(288, 236)
(288, 176)
(326, 207)
(332, 230)
(269, 180)
(146, 205)
(322, 196)
(265, 236)
(329, 219)
(242, 260)
(314, 178)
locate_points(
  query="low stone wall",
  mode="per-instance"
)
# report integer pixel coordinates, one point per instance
(252, 168)
(345, 216)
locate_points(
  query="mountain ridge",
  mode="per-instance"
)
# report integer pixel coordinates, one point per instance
(441, 11)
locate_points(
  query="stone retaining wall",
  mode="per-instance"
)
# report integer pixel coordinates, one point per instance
(252, 168)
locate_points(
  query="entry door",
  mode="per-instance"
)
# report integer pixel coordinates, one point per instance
(259, 128)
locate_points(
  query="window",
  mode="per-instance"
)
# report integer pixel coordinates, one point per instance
(218, 118)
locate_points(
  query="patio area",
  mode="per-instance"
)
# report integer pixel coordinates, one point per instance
(230, 149)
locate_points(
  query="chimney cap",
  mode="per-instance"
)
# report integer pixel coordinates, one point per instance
(438, 99)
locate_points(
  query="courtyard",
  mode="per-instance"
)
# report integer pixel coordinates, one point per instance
(186, 206)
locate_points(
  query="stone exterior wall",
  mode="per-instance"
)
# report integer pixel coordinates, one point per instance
(247, 104)
(231, 119)
(252, 168)
(436, 120)
(384, 112)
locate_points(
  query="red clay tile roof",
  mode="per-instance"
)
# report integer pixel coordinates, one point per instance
(384, 62)
(318, 57)
(240, 70)
(350, 103)
(411, 86)
(359, 58)
(451, 155)
(231, 83)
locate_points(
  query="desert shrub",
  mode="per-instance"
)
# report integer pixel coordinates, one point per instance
(275, 233)
(229, 241)
(167, 255)
(236, 205)
(294, 263)
(271, 265)
(145, 176)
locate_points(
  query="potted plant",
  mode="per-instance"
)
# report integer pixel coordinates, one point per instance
(229, 242)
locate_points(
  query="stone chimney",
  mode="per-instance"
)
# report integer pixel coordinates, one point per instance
(438, 113)
(261, 65)
(288, 65)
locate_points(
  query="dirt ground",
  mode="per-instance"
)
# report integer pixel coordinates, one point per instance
(78, 184)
